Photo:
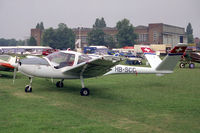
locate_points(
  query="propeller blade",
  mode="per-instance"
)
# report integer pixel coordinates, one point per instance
(52, 80)
(16, 65)
(14, 75)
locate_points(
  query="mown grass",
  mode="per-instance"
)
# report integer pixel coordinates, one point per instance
(117, 103)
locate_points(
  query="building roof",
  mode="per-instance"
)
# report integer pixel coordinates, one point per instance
(141, 27)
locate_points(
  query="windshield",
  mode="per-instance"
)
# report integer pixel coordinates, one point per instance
(83, 58)
(60, 59)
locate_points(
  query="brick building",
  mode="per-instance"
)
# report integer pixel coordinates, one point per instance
(159, 33)
(82, 33)
(37, 34)
(142, 32)
(156, 33)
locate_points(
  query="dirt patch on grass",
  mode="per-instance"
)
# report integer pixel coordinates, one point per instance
(27, 95)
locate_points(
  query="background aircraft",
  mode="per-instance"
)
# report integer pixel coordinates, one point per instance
(6, 61)
(189, 57)
(73, 65)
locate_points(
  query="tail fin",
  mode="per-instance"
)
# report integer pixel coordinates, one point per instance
(12, 60)
(170, 61)
(151, 56)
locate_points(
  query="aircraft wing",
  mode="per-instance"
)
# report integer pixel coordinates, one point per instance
(95, 67)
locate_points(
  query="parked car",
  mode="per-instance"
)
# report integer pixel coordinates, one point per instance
(134, 61)
(48, 51)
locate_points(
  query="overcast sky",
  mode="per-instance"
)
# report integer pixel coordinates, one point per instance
(17, 17)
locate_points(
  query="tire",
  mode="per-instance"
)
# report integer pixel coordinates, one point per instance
(182, 65)
(59, 84)
(28, 89)
(84, 92)
(191, 65)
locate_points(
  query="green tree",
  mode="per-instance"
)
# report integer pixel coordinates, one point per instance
(109, 41)
(99, 23)
(41, 26)
(37, 26)
(60, 38)
(48, 37)
(21, 43)
(96, 37)
(62, 26)
(32, 41)
(8, 42)
(189, 32)
(125, 35)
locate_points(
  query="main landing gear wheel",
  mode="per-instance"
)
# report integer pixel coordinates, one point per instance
(191, 65)
(28, 89)
(182, 65)
(59, 84)
(85, 92)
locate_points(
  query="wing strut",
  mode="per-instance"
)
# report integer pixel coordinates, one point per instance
(84, 91)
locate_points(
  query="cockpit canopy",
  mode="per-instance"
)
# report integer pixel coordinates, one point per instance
(83, 58)
(62, 59)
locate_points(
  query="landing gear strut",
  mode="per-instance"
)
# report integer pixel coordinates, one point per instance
(84, 91)
(60, 84)
(28, 88)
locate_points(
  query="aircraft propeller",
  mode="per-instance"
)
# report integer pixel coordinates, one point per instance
(16, 65)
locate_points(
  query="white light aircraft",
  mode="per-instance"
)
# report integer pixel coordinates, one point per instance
(73, 65)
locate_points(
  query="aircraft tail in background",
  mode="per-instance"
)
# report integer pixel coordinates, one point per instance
(169, 62)
(151, 57)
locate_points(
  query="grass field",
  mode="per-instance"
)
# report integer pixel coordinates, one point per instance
(117, 103)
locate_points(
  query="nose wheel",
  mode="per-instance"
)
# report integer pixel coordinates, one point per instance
(28, 88)
(85, 92)
(59, 84)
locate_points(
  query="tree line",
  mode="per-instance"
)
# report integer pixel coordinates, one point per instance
(11, 42)
(63, 37)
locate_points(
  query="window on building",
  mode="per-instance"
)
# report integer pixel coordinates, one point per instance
(181, 39)
(143, 37)
(155, 36)
(84, 39)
